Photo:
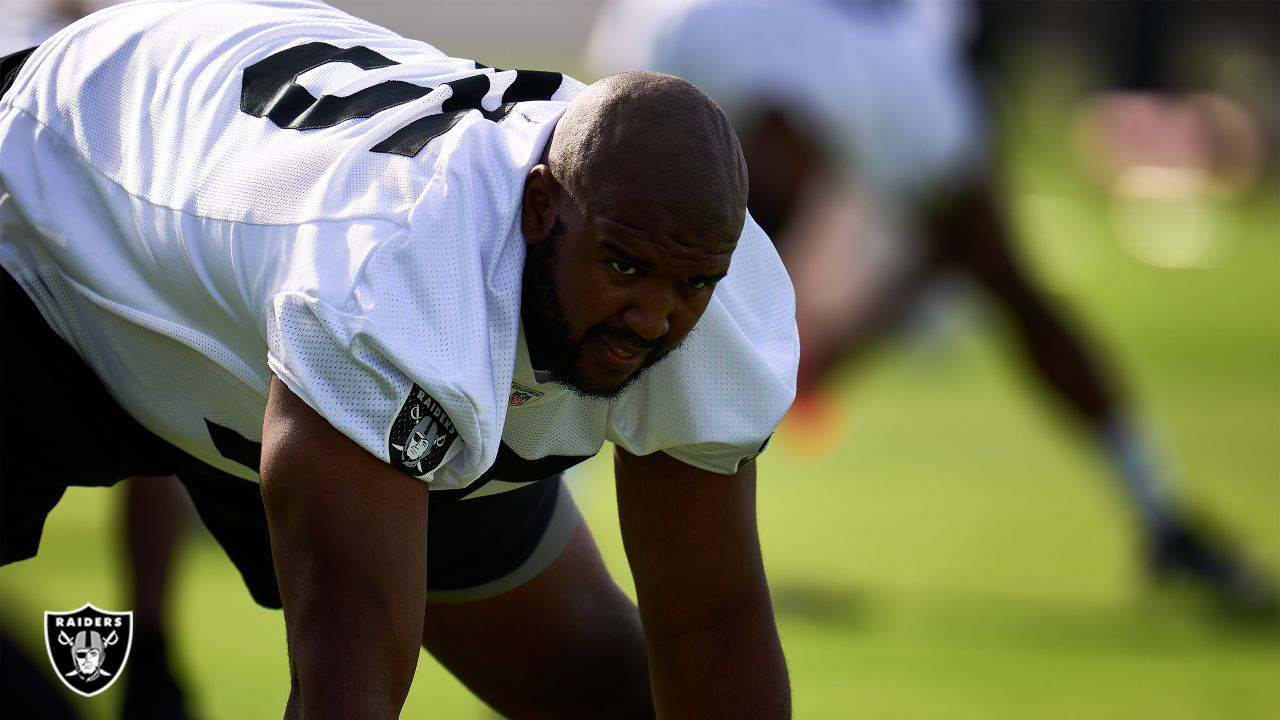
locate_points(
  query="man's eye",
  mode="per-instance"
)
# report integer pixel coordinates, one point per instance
(697, 283)
(622, 267)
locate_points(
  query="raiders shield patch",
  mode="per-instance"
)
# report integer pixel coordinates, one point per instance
(421, 434)
(88, 647)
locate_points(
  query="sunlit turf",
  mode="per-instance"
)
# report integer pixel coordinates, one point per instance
(960, 554)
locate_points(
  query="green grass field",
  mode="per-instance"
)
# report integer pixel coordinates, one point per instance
(962, 553)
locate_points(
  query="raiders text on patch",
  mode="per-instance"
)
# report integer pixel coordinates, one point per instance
(421, 434)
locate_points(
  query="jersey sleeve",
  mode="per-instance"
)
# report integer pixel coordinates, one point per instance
(415, 364)
(715, 401)
(339, 364)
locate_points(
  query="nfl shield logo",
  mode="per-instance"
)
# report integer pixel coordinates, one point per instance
(88, 647)
(522, 394)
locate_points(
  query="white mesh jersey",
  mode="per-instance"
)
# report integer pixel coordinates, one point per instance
(879, 82)
(199, 194)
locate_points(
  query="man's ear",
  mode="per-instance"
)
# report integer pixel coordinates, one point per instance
(540, 205)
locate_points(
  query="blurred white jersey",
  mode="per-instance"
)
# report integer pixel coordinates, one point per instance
(879, 82)
(26, 23)
(201, 193)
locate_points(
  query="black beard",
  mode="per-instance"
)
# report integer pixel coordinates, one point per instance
(552, 348)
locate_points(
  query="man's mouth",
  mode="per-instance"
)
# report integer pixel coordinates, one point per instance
(622, 355)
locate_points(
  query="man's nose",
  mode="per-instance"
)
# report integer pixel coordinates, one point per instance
(649, 313)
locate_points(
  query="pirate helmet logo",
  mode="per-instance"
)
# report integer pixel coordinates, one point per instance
(88, 647)
(422, 438)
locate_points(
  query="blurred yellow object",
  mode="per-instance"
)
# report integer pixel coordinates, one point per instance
(816, 425)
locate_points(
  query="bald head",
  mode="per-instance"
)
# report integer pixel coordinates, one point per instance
(652, 138)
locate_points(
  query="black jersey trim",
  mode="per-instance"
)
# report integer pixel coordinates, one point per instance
(510, 467)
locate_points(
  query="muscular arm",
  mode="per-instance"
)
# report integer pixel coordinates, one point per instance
(690, 537)
(349, 540)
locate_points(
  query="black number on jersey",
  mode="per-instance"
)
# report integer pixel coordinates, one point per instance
(270, 89)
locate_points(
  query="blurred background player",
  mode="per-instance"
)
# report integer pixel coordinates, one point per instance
(869, 162)
(154, 512)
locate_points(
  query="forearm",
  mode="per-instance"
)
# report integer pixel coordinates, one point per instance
(733, 667)
(691, 540)
(349, 541)
(350, 655)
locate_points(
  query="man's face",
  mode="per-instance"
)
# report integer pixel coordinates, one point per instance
(417, 446)
(87, 660)
(608, 294)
